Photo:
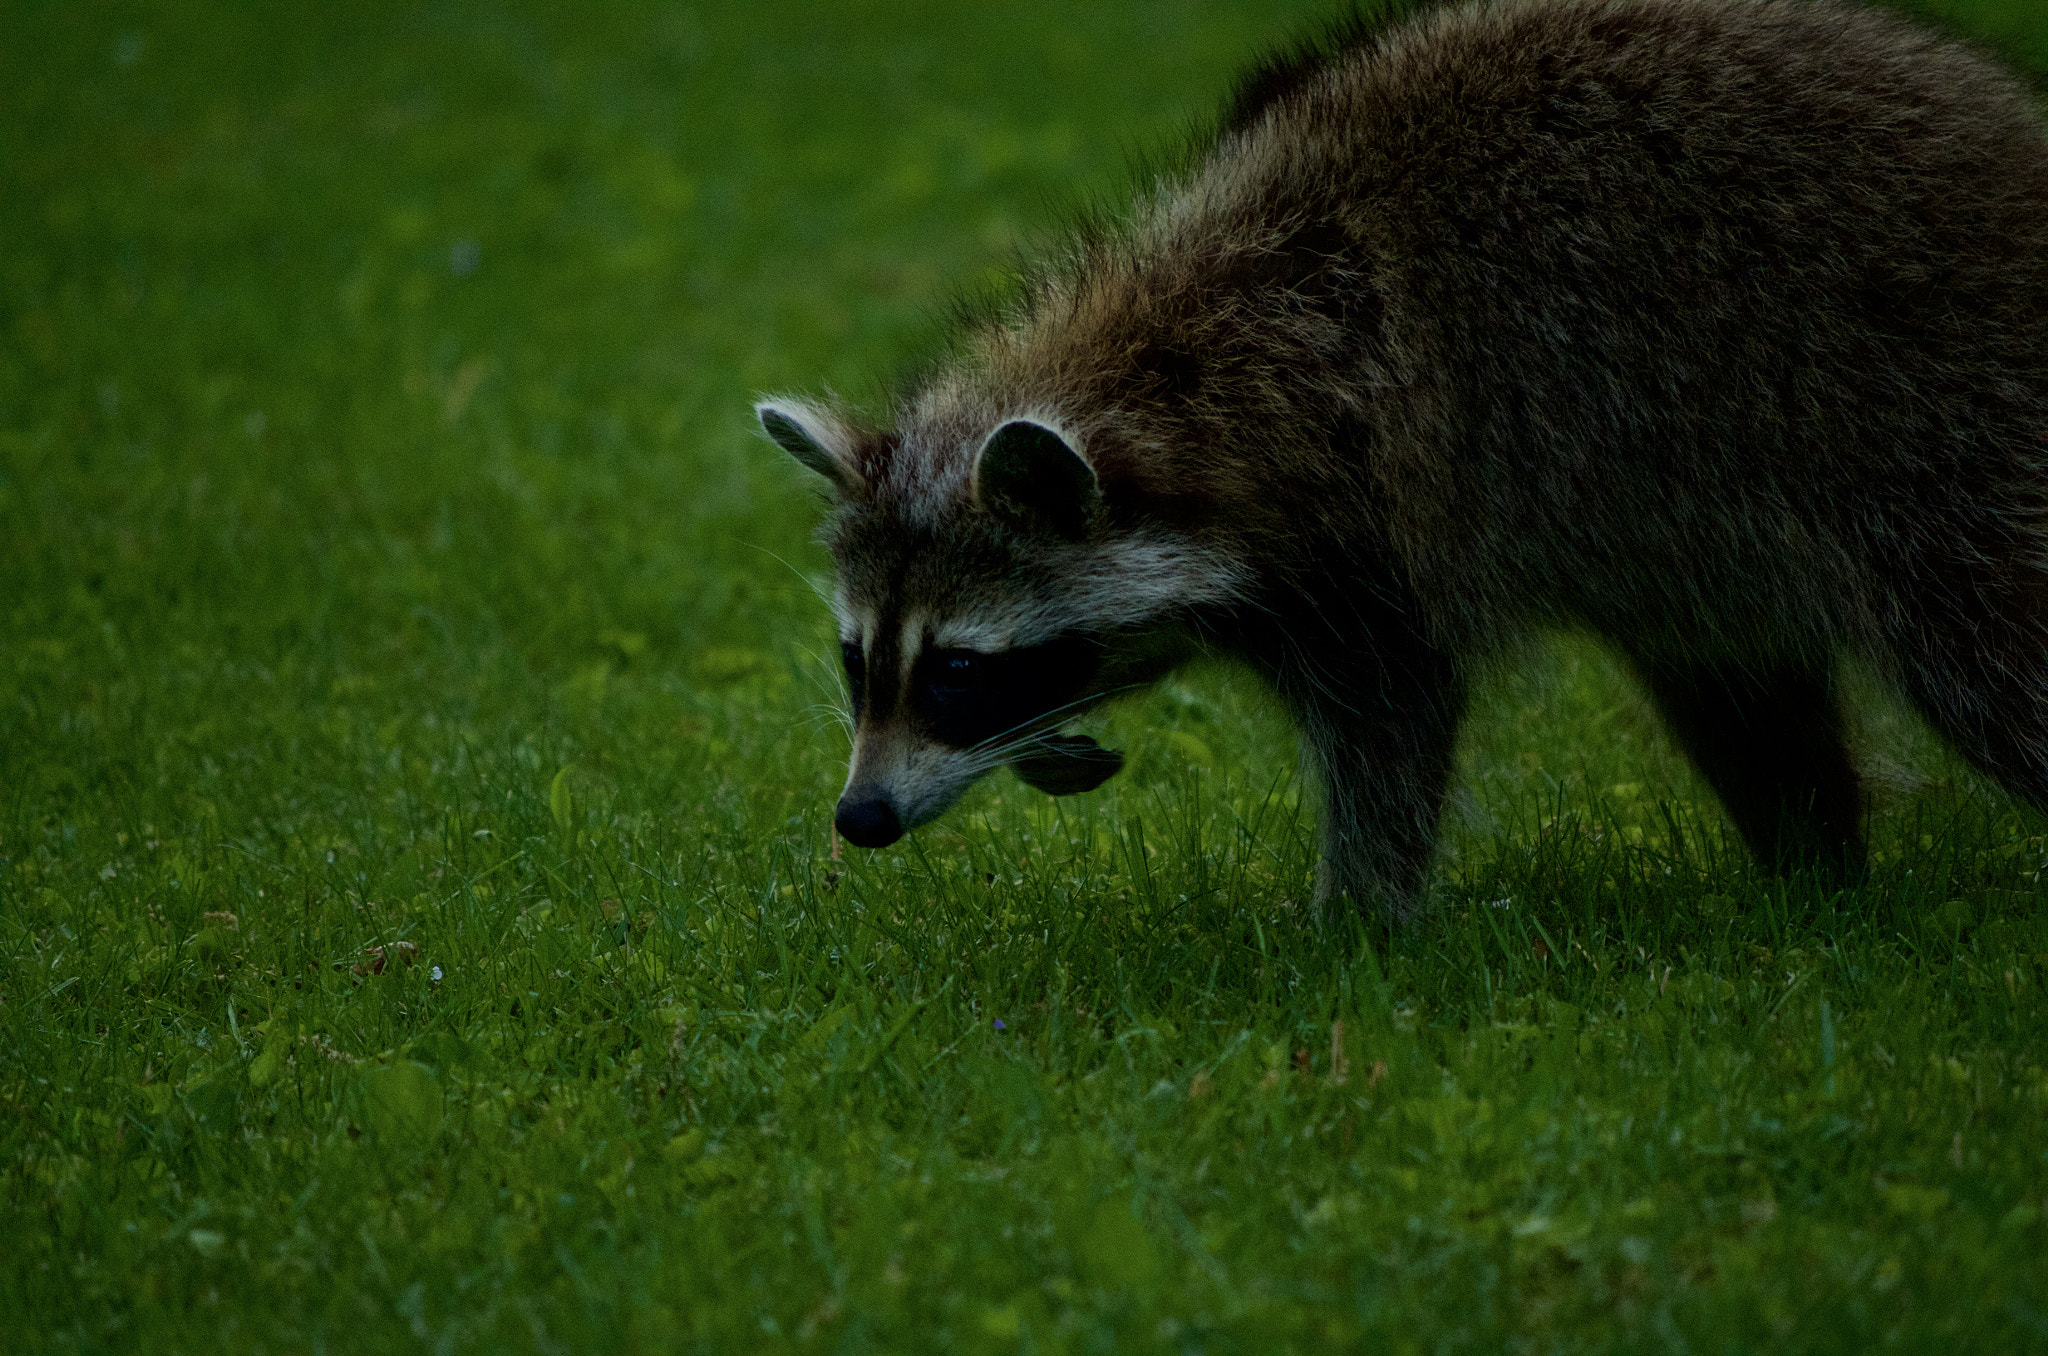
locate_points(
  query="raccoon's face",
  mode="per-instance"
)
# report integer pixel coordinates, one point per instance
(930, 718)
(983, 603)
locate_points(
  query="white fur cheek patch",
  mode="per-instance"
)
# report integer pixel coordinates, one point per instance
(909, 645)
(921, 779)
(1126, 583)
(989, 633)
(856, 624)
(929, 781)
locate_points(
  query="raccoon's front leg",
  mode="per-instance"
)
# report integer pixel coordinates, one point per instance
(1383, 777)
(1378, 709)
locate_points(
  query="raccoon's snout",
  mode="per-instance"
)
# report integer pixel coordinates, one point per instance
(870, 823)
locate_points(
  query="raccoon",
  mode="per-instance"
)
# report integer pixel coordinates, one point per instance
(1717, 328)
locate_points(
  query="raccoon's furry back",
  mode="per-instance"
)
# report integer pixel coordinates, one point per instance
(1710, 320)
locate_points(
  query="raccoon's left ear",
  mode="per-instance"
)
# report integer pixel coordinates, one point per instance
(816, 438)
(1033, 478)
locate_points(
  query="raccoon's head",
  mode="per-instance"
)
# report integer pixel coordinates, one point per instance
(986, 597)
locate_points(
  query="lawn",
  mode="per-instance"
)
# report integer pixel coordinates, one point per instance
(418, 928)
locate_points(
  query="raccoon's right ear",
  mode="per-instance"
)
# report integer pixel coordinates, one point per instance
(816, 438)
(1030, 475)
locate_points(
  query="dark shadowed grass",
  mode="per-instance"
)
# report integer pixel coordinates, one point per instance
(417, 924)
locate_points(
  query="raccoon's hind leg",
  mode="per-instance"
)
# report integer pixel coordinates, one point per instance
(1977, 669)
(1769, 741)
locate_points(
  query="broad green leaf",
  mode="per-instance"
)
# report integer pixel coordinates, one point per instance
(560, 803)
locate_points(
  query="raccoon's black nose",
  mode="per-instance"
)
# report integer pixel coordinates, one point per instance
(869, 823)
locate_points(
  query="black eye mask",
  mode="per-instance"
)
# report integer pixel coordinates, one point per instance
(969, 699)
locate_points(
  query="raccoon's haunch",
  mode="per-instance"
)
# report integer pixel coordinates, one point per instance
(1717, 328)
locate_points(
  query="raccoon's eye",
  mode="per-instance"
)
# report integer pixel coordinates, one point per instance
(951, 674)
(856, 672)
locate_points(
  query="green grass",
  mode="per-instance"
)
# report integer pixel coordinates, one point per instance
(386, 561)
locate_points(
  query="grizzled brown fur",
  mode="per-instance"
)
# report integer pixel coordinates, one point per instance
(1716, 327)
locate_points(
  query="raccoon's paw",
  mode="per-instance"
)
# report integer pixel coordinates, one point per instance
(1066, 765)
(1336, 900)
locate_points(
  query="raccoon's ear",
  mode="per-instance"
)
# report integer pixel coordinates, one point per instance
(1032, 477)
(814, 437)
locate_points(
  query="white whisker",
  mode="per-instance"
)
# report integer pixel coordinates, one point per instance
(1039, 724)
